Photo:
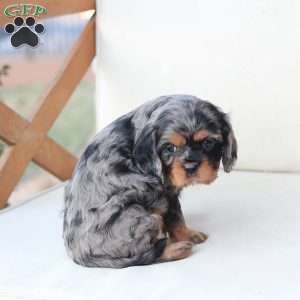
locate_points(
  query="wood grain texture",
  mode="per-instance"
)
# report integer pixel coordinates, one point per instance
(51, 156)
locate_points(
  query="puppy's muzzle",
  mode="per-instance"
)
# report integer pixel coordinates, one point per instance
(192, 161)
(191, 167)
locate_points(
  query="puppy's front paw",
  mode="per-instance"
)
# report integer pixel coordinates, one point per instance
(186, 234)
(178, 250)
(196, 237)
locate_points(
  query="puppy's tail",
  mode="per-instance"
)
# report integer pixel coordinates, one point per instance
(149, 257)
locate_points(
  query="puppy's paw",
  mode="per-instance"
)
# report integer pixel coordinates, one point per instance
(196, 237)
(176, 251)
(186, 234)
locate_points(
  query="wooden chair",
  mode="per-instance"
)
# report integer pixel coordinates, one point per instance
(28, 138)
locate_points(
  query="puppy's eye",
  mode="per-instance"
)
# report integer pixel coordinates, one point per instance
(170, 148)
(208, 144)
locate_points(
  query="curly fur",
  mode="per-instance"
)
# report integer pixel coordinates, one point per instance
(124, 177)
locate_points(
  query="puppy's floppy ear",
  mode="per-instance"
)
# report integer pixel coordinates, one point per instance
(230, 146)
(145, 153)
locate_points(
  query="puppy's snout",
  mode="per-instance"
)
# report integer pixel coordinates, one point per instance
(191, 167)
(192, 157)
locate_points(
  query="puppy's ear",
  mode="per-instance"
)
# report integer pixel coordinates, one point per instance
(230, 147)
(145, 153)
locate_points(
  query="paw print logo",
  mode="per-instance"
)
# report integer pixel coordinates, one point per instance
(24, 33)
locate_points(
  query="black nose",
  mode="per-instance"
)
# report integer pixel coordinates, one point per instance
(191, 166)
(192, 156)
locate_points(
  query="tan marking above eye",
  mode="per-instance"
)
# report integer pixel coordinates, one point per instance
(202, 134)
(177, 139)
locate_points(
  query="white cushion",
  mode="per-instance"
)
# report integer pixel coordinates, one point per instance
(242, 56)
(253, 223)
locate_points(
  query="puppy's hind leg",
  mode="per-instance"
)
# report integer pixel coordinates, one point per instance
(176, 251)
(163, 249)
(134, 238)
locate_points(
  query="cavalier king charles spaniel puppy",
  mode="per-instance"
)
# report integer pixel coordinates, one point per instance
(122, 204)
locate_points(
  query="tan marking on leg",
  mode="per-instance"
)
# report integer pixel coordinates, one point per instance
(176, 251)
(183, 233)
(162, 228)
(158, 211)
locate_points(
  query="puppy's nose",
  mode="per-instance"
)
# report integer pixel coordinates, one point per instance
(191, 166)
(192, 156)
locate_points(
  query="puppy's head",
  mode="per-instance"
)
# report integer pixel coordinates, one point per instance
(185, 142)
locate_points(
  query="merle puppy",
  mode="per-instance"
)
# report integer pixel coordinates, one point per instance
(121, 205)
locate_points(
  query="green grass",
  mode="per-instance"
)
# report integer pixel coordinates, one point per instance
(74, 126)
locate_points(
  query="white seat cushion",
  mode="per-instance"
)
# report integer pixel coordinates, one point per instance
(242, 55)
(253, 223)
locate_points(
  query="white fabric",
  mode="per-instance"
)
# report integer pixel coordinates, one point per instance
(253, 222)
(244, 56)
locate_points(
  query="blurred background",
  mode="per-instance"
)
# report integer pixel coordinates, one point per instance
(243, 56)
(25, 74)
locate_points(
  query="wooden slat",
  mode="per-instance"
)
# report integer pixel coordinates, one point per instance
(51, 105)
(51, 156)
(11, 125)
(55, 159)
(54, 7)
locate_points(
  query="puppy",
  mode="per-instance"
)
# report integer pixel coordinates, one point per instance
(121, 205)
